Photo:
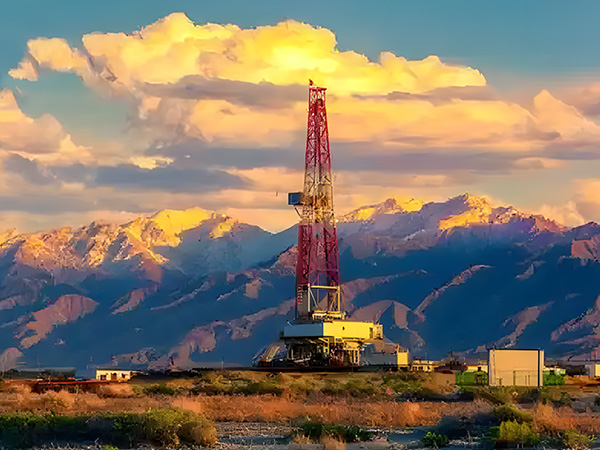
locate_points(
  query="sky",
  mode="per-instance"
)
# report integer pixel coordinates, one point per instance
(114, 109)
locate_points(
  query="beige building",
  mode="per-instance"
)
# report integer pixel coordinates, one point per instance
(114, 375)
(424, 365)
(512, 367)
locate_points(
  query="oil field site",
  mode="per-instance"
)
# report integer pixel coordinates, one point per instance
(329, 381)
(317, 225)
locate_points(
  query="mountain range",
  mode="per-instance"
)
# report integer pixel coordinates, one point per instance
(182, 289)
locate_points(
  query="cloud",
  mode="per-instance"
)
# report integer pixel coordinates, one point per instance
(582, 207)
(564, 214)
(587, 198)
(233, 86)
(244, 87)
(285, 54)
(169, 178)
(218, 117)
(586, 99)
(43, 138)
(29, 170)
(51, 54)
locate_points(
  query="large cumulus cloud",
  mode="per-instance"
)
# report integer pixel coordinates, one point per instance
(225, 84)
(229, 105)
(43, 138)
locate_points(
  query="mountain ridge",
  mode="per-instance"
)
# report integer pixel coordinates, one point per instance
(191, 287)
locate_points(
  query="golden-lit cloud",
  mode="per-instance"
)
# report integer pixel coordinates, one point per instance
(566, 214)
(42, 139)
(424, 128)
(586, 197)
(287, 53)
(51, 54)
(170, 69)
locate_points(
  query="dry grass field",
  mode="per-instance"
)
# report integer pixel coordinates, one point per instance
(369, 400)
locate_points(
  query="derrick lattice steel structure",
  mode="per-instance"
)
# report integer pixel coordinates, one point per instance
(320, 335)
(317, 271)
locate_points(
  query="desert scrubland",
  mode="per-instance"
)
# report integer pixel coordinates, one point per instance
(308, 408)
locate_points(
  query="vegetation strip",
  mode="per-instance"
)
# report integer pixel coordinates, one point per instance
(168, 427)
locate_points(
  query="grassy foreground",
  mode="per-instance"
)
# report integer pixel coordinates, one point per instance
(176, 411)
(168, 427)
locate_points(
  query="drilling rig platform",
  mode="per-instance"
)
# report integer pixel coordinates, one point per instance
(320, 335)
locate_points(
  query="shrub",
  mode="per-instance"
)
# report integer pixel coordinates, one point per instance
(260, 387)
(564, 400)
(359, 387)
(332, 387)
(171, 426)
(121, 390)
(330, 443)
(303, 386)
(509, 412)
(402, 382)
(166, 427)
(496, 395)
(160, 388)
(433, 440)
(317, 431)
(596, 407)
(521, 433)
(574, 440)
(127, 426)
(531, 395)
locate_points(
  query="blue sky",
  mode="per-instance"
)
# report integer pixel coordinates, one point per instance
(521, 48)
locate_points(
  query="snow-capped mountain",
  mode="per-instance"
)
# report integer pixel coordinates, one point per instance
(194, 287)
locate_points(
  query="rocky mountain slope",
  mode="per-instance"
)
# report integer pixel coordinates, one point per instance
(189, 288)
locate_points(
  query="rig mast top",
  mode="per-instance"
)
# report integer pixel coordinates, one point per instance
(317, 270)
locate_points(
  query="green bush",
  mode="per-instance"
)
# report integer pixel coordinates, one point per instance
(303, 385)
(166, 427)
(333, 387)
(496, 395)
(128, 427)
(433, 440)
(509, 412)
(553, 379)
(170, 427)
(520, 433)
(574, 440)
(160, 388)
(531, 395)
(360, 387)
(260, 387)
(402, 383)
(564, 400)
(316, 431)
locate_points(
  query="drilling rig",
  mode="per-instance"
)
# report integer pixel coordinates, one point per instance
(320, 334)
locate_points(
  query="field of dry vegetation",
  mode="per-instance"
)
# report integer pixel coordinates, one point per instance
(555, 417)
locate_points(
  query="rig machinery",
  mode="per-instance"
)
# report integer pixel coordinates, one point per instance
(320, 335)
